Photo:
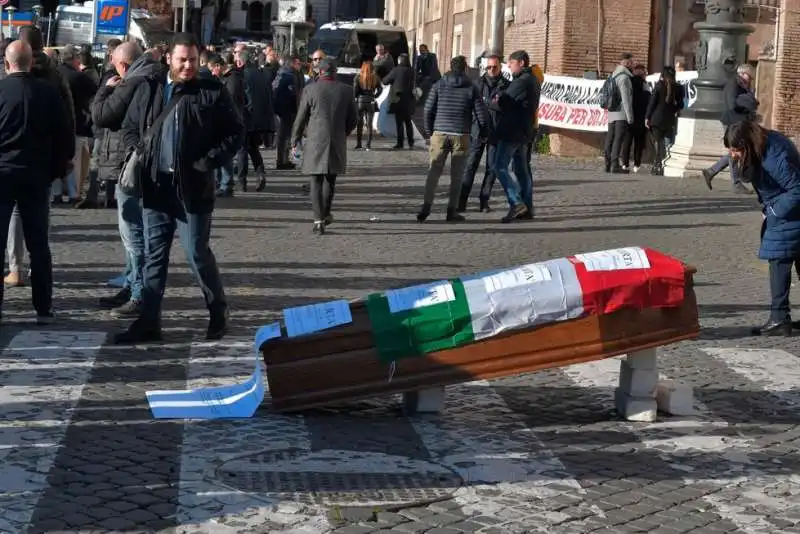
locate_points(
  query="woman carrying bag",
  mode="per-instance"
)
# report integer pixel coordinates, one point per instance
(661, 117)
(366, 90)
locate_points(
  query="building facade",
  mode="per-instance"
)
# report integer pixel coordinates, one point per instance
(585, 39)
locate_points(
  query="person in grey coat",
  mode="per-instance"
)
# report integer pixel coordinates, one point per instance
(620, 118)
(328, 113)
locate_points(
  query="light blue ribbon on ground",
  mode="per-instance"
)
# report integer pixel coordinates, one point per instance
(220, 402)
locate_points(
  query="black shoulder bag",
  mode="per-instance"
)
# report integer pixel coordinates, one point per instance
(131, 174)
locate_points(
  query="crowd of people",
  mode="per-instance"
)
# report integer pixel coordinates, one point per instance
(167, 132)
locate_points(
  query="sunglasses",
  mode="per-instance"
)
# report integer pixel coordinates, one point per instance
(316, 59)
(492, 67)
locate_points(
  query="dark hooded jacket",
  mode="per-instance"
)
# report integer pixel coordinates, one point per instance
(518, 106)
(740, 103)
(452, 104)
(108, 111)
(259, 114)
(233, 80)
(83, 89)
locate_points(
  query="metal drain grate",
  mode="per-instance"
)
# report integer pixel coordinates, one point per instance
(344, 478)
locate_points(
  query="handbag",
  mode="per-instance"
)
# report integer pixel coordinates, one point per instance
(131, 173)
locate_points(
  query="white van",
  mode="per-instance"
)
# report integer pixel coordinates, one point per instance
(349, 41)
(73, 25)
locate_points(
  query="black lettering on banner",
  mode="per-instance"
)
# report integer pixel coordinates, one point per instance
(330, 316)
(627, 258)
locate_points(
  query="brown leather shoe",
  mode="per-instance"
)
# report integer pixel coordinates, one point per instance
(13, 279)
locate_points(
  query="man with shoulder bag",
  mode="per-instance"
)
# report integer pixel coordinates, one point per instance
(183, 128)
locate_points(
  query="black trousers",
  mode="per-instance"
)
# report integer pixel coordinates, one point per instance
(323, 187)
(284, 133)
(402, 120)
(618, 132)
(366, 112)
(476, 152)
(636, 138)
(252, 142)
(660, 144)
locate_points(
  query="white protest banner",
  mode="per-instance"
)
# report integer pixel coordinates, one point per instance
(572, 103)
(221, 402)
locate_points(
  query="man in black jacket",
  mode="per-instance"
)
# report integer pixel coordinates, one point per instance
(200, 129)
(83, 90)
(45, 69)
(36, 144)
(453, 102)
(259, 118)
(489, 85)
(108, 111)
(224, 69)
(518, 106)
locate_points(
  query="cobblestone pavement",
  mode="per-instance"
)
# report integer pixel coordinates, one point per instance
(538, 453)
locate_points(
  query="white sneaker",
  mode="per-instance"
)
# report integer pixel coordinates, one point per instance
(636, 169)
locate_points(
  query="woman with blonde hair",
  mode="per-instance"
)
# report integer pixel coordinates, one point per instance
(366, 90)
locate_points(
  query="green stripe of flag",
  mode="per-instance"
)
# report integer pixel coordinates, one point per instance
(418, 331)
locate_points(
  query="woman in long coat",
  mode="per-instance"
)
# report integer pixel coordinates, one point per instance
(771, 163)
(401, 99)
(327, 114)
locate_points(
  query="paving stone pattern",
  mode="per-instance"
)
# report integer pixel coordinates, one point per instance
(79, 451)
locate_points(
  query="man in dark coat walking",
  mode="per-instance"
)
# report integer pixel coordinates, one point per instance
(259, 118)
(327, 113)
(286, 91)
(36, 144)
(200, 129)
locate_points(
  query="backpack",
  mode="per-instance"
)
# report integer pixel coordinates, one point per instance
(610, 97)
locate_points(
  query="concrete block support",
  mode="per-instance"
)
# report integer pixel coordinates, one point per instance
(639, 409)
(675, 397)
(635, 398)
(424, 401)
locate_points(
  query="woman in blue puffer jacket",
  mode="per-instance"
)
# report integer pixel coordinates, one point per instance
(771, 163)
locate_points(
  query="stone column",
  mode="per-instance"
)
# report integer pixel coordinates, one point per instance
(722, 46)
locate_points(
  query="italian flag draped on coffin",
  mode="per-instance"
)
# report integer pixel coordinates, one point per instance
(450, 313)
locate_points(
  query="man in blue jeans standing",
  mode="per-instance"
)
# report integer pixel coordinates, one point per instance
(186, 128)
(517, 105)
(109, 109)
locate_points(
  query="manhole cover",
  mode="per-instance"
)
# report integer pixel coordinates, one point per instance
(343, 478)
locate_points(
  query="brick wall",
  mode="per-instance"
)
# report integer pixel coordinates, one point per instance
(786, 101)
(529, 30)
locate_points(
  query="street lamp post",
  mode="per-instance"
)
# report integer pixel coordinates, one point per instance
(721, 47)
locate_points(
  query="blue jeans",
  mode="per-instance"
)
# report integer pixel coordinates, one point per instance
(34, 210)
(725, 161)
(225, 174)
(514, 154)
(131, 230)
(194, 230)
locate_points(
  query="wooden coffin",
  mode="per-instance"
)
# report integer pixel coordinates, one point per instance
(341, 364)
